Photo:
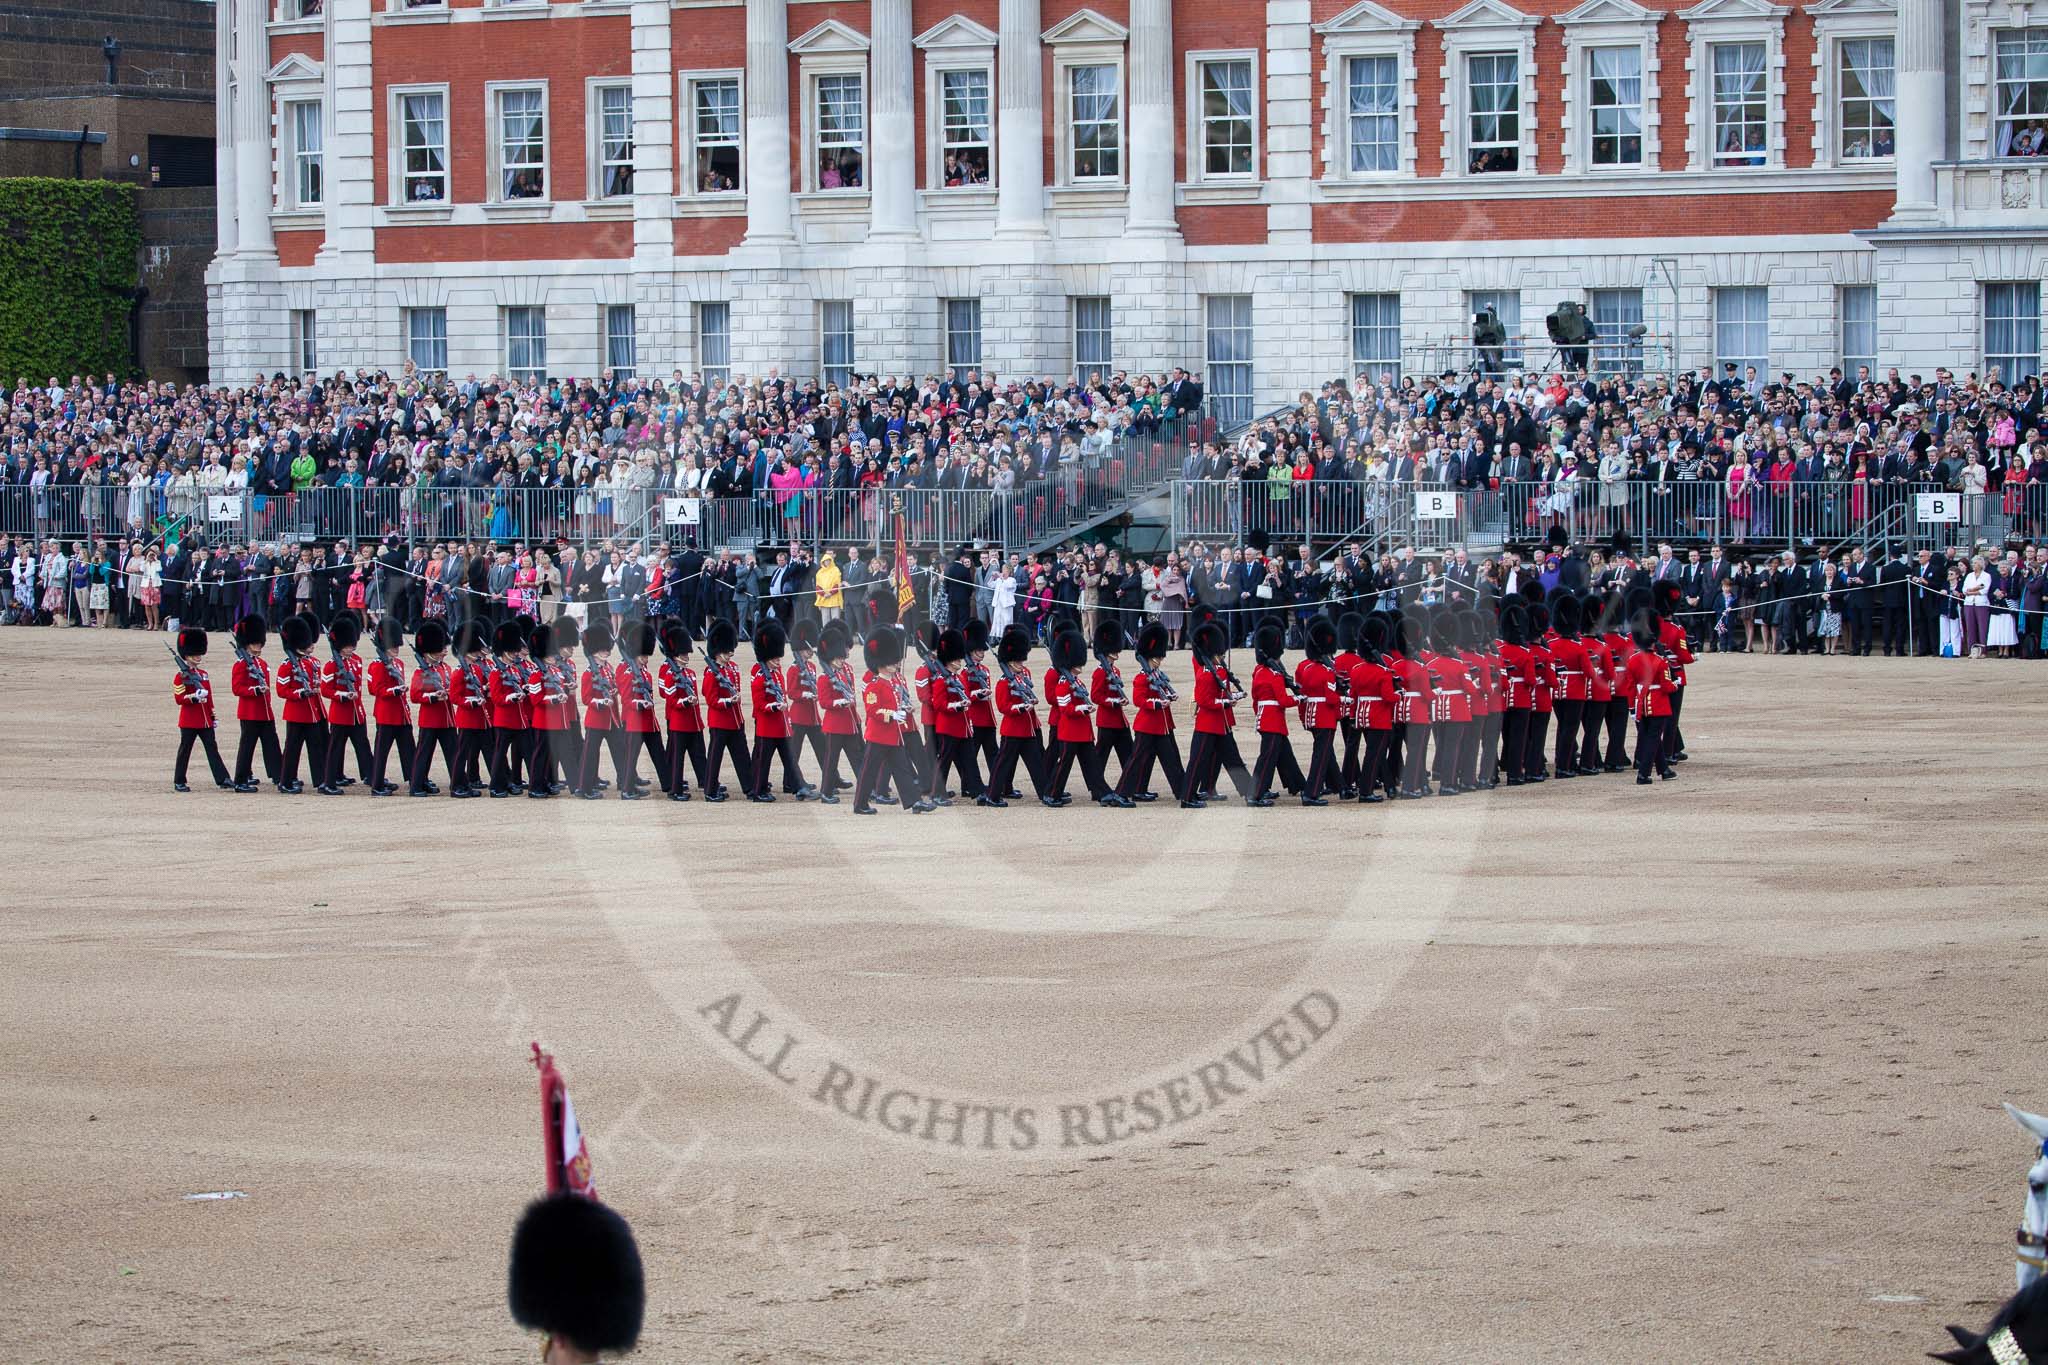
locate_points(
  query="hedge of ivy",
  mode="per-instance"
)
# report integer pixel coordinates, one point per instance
(68, 251)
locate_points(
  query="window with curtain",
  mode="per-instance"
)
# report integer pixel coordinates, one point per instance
(1091, 338)
(1227, 117)
(1859, 329)
(1613, 312)
(1507, 306)
(963, 128)
(1493, 98)
(1376, 335)
(615, 141)
(2012, 329)
(835, 340)
(1742, 331)
(714, 342)
(715, 130)
(1614, 99)
(1373, 86)
(305, 334)
(842, 132)
(1741, 115)
(963, 336)
(526, 343)
(1095, 107)
(1864, 101)
(423, 147)
(307, 162)
(621, 346)
(2020, 102)
(1228, 324)
(426, 339)
(522, 145)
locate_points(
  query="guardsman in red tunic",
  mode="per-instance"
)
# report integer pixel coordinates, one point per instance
(1651, 685)
(1341, 663)
(981, 700)
(1111, 697)
(305, 727)
(1214, 750)
(348, 705)
(1518, 666)
(955, 749)
(469, 699)
(1544, 663)
(193, 692)
(774, 736)
(1450, 693)
(678, 684)
(547, 711)
(1152, 698)
(1474, 640)
(1615, 617)
(921, 744)
(1574, 681)
(890, 711)
(1272, 699)
(1016, 702)
(838, 708)
(598, 692)
(1315, 682)
(1074, 730)
(1599, 686)
(724, 698)
(800, 683)
(1372, 698)
(251, 683)
(1412, 703)
(430, 689)
(641, 709)
(509, 697)
(385, 684)
(1677, 654)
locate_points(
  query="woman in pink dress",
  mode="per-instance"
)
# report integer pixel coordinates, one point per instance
(1739, 497)
(522, 596)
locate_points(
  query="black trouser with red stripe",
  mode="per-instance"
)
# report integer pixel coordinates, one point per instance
(1486, 759)
(985, 740)
(1514, 743)
(257, 733)
(1450, 740)
(1652, 732)
(814, 736)
(1569, 713)
(1349, 772)
(594, 744)
(957, 753)
(469, 748)
(688, 744)
(1470, 735)
(879, 763)
(1539, 730)
(1674, 738)
(829, 781)
(310, 735)
(1209, 757)
(1003, 776)
(1276, 752)
(186, 739)
(731, 743)
(1415, 756)
(766, 749)
(508, 746)
(1322, 763)
(340, 738)
(1592, 716)
(1373, 761)
(1091, 767)
(1150, 749)
(388, 736)
(1116, 739)
(566, 745)
(540, 759)
(421, 769)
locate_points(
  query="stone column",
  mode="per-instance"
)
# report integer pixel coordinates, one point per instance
(252, 133)
(225, 206)
(1151, 118)
(768, 110)
(1020, 123)
(892, 137)
(1918, 96)
(354, 180)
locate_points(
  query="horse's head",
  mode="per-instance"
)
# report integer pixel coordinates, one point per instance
(2031, 1251)
(2017, 1334)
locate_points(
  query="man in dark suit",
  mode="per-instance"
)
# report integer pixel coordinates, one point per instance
(1860, 576)
(1789, 587)
(1893, 580)
(1184, 392)
(1930, 581)
(1692, 594)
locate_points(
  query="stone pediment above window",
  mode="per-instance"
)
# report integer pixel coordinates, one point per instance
(1711, 10)
(1839, 9)
(1488, 14)
(830, 37)
(295, 67)
(1366, 18)
(954, 32)
(1609, 12)
(1085, 26)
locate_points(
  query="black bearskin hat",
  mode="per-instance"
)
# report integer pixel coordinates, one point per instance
(1348, 627)
(469, 637)
(251, 631)
(1514, 623)
(1202, 614)
(835, 642)
(1109, 638)
(1539, 622)
(1556, 538)
(642, 639)
(721, 639)
(1444, 635)
(675, 639)
(344, 631)
(507, 638)
(883, 647)
(1211, 641)
(597, 638)
(928, 636)
(431, 637)
(805, 636)
(1478, 628)
(1531, 590)
(976, 635)
(565, 634)
(769, 642)
(576, 1274)
(1014, 647)
(1594, 615)
(1642, 625)
(1268, 642)
(1664, 596)
(1566, 613)
(192, 642)
(1259, 542)
(542, 641)
(1375, 635)
(1153, 642)
(1069, 650)
(952, 647)
(1637, 599)
(885, 608)
(298, 634)
(390, 634)
(1322, 637)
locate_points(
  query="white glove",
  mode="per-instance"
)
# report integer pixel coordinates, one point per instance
(201, 695)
